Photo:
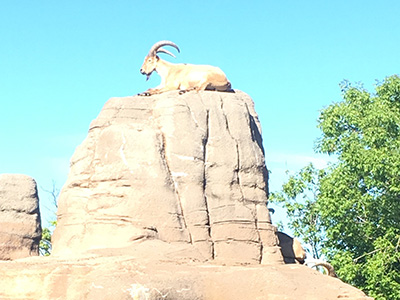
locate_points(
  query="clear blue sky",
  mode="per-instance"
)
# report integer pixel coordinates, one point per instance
(60, 61)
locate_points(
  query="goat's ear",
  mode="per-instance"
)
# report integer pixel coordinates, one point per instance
(157, 58)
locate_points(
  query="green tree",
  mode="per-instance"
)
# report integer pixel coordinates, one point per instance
(298, 197)
(45, 246)
(358, 197)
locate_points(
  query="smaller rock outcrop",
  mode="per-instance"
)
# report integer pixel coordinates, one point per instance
(20, 229)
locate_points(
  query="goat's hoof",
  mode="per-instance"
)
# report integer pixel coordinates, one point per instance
(182, 92)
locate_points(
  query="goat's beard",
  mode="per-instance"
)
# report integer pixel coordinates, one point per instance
(148, 75)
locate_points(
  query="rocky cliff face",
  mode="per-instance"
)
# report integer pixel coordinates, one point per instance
(167, 199)
(20, 230)
(179, 168)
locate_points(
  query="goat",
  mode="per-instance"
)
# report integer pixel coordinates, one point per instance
(291, 248)
(293, 252)
(317, 263)
(183, 77)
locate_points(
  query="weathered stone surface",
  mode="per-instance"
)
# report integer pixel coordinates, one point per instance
(167, 199)
(130, 276)
(20, 229)
(180, 168)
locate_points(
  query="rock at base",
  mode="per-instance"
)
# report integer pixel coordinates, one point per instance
(131, 277)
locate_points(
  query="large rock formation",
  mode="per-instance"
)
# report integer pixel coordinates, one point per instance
(180, 168)
(20, 230)
(167, 199)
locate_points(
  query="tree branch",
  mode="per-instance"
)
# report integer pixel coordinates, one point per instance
(365, 254)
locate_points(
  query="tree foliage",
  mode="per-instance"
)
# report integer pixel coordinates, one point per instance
(299, 196)
(358, 197)
(45, 245)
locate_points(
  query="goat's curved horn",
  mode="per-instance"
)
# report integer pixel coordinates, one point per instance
(165, 51)
(156, 48)
(328, 267)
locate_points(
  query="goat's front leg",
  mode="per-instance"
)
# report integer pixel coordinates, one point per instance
(149, 92)
(182, 91)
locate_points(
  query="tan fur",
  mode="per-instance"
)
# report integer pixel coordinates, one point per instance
(299, 252)
(293, 252)
(291, 248)
(184, 77)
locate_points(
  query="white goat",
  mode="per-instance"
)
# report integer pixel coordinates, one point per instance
(183, 77)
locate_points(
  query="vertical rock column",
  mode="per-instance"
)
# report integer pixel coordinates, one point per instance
(183, 122)
(213, 149)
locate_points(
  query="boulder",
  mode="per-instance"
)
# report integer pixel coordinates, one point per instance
(20, 230)
(186, 169)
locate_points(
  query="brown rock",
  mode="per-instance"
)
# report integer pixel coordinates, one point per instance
(180, 168)
(20, 230)
(132, 277)
(167, 199)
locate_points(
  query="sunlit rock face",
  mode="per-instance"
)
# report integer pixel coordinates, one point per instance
(167, 199)
(186, 169)
(20, 229)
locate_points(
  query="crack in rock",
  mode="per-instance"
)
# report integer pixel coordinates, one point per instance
(205, 144)
(174, 182)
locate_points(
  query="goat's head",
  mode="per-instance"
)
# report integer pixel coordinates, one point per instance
(150, 61)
